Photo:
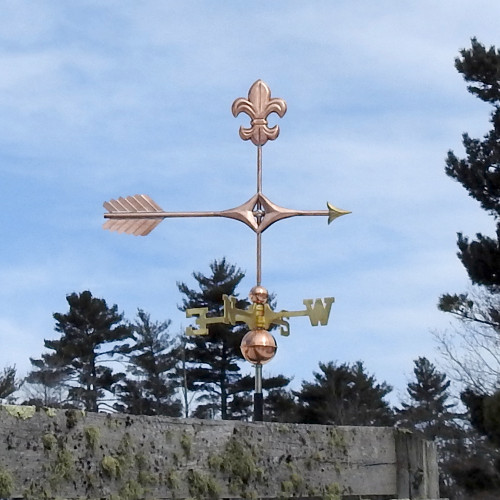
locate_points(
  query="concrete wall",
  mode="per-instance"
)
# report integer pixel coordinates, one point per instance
(69, 454)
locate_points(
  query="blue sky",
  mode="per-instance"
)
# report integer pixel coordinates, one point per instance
(106, 99)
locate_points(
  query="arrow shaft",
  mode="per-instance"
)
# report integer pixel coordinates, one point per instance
(160, 215)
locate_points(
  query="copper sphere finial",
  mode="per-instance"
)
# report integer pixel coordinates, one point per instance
(258, 295)
(258, 346)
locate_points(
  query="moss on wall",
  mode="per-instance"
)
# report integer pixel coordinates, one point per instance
(71, 455)
(92, 437)
(6, 483)
(202, 486)
(186, 441)
(49, 441)
(22, 412)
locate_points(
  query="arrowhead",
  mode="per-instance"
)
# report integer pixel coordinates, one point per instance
(334, 212)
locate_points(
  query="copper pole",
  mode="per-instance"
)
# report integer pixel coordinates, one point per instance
(259, 238)
(259, 258)
(259, 169)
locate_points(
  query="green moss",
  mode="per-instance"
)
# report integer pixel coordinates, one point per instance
(131, 490)
(297, 481)
(64, 464)
(250, 495)
(186, 443)
(173, 480)
(126, 442)
(336, 440)
(61, 468)
(146, 478)
(110, 466)
(286, 489)
(50, 412)
(125, 453)
(73, 416)
(332, 492)
(312, 491)
(22, 412)
(91, 480)
(240, 461)
(49, 441)
(92, 437)
(215, 462)
(111, 422)
(141, 461)
(36, 491)
(202, 486)
(6, 483)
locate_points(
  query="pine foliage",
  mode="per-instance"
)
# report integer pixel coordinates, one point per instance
(479, 174)
(151, 387)
(91, 333)
(8, 382)
(212, 361)
(428, 408)
(344, 395)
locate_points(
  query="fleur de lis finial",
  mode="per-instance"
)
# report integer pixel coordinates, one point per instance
(258, 107)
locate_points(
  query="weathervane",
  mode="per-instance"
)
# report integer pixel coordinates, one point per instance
(139, 215)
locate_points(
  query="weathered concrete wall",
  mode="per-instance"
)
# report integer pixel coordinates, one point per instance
(57, 454)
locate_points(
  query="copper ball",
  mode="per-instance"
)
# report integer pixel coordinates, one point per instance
(258, 347)
(258, 295)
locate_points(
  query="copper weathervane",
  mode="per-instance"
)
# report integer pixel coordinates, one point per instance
(139, 215)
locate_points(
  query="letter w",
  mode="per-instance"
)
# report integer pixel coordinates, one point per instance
(319, 312)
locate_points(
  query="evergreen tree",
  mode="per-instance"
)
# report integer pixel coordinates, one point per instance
(344, 395)
(479, 173)
(428, 407)
(91, 333)
(152, 362)
(46, 383)
(8, 382)
(212, 361)
(428, 412)
(280, 405)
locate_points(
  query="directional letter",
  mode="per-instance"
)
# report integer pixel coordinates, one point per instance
(320, 312)
(201, 321)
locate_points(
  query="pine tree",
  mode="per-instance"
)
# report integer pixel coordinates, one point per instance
(479, 173)
(280, 405)
(344, 395)
(8, 382)
(428, 407)
(153, 358)
(79, 355)
(46, 384)
(212, 361)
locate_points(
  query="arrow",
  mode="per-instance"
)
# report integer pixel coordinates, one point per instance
(139, 214)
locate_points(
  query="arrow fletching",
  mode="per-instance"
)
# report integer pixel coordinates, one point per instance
(334, 212)
(137, 215)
